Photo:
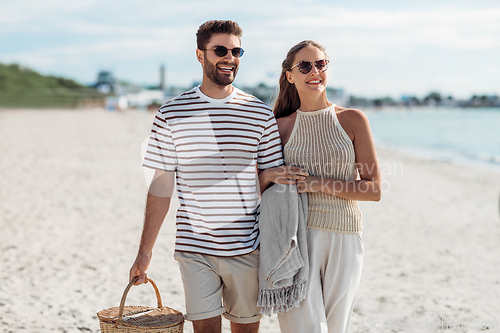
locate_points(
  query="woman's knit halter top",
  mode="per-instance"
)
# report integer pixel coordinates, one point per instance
(319, 144)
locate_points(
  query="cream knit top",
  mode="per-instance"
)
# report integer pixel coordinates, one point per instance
(319, 144)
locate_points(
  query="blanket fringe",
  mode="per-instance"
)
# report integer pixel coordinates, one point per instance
(281, 300)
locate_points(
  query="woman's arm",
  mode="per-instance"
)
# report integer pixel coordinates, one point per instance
(368, 188)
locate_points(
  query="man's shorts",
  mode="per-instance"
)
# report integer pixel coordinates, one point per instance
(221, 285)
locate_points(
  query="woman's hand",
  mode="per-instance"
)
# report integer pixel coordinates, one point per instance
(285, 174)
(309, 184)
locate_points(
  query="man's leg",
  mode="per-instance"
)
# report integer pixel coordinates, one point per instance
(245, 328)
(202, 290)
(240, 275)
(210, 325)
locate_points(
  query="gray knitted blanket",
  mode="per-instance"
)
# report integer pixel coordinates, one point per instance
(284, 264)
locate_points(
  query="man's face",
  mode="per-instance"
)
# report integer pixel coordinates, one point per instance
(221, 70)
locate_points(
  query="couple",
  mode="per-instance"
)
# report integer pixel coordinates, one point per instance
(215, 139)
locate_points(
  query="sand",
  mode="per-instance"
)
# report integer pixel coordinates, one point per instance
(71, 207)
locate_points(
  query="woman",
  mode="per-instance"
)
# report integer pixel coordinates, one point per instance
(329, 153)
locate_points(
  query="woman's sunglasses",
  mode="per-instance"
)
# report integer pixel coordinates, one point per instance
(221, 51)
(306, 66)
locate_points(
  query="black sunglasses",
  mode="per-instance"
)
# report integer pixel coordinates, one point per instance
(221, 51)
(306, 66)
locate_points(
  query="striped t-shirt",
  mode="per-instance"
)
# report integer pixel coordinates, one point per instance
(213, 145)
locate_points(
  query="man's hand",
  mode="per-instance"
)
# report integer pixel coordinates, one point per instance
(139, 268)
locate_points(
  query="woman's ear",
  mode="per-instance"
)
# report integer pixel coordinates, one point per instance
(289, 77)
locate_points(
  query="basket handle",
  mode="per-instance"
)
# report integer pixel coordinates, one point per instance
(125, 293)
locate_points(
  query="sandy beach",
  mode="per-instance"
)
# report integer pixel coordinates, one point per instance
(72, 195)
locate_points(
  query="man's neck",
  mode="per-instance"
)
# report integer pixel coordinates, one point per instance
(215, 91)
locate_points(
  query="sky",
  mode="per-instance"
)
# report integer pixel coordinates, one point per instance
(376, 48)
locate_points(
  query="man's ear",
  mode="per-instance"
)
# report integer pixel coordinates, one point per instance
(199, 55)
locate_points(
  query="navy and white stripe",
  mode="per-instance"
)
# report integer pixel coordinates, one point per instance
(214, 146)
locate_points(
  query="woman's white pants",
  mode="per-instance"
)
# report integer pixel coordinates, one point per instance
(335, 264)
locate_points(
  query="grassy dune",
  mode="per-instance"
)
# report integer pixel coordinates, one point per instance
(23, 87)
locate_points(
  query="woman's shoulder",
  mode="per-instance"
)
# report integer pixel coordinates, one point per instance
(348, 112)
(285, 127)
(352, 120)
(349, 115)
(286, 121)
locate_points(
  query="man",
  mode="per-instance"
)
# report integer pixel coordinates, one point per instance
(213, 137)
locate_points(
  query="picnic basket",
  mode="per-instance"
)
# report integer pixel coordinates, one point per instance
(141, 319)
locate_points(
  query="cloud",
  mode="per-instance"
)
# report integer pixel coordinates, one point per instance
(362, 43)
(24, 12)
(125, 48)
(471, 29)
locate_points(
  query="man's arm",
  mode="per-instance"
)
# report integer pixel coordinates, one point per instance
(157, 205)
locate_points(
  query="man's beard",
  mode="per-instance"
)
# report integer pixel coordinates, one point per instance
(214, 75)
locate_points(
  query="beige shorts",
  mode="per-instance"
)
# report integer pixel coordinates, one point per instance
(220, 285)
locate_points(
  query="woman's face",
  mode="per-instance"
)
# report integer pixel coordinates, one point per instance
(313, 82)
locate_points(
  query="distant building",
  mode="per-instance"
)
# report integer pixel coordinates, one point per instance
(106, 82)
(409, 100)
(163, 83)
(123, 95)
(269, 94)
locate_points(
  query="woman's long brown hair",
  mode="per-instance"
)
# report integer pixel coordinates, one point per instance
(288, 100)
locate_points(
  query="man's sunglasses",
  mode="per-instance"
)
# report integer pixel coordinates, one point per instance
(221, 51)
(306, 66)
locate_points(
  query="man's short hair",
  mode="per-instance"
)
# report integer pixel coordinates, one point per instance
(210, 28)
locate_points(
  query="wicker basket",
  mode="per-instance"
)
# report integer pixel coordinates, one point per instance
(141, 319)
